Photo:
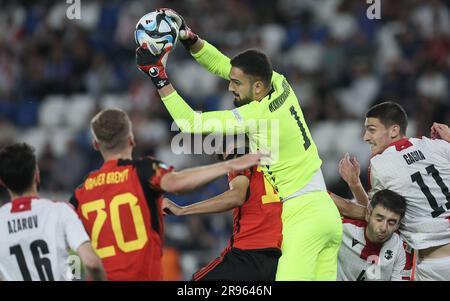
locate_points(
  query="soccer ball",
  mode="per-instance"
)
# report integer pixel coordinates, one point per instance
(157, 30)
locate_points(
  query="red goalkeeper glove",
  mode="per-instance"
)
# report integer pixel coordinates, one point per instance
(186, 36)
(153, 66)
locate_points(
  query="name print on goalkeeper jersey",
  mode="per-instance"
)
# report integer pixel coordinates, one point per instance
(118, 205)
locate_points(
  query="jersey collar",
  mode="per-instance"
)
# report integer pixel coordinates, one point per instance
(22, 203)
(401, 144)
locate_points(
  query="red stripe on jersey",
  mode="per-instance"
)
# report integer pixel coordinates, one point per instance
(22, 204)
(208, 268)
(370, 249)
(356, 222)
(369, 183)
(401, 144)
(409, 261)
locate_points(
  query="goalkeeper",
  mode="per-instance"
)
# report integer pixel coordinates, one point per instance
(268, 112)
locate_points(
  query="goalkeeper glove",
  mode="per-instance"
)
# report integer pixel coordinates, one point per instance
(186, 36)
(153, 65)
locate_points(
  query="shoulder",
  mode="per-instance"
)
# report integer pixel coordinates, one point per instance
(5, 207)
(59, 204)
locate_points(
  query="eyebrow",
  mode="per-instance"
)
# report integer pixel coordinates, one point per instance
(235, 80)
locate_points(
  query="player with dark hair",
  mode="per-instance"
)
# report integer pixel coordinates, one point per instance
(120, 204)
(255, 245)
(416, 168)
(36, 233)
(268, 112)
(371, 249)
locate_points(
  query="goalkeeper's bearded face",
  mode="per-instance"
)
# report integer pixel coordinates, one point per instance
(241, 86)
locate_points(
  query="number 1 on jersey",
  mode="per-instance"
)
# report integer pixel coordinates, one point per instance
(306, 140)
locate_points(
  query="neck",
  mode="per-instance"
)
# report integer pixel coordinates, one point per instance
(399, 137)
(29, 193)
(116, 156)
(264, 94)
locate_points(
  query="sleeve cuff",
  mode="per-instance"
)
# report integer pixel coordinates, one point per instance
(198, 54)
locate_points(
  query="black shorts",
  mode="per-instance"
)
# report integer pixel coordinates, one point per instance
(242, 265)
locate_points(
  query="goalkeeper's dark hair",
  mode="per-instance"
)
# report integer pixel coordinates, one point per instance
(389, 200)
(254, 63)
(111, 129)
(390, 113)
(17, 167)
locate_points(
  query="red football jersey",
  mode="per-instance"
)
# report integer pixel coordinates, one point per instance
(257, 223)
(120, 207)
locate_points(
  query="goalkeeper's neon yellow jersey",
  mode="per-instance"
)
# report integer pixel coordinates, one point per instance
(275, 124)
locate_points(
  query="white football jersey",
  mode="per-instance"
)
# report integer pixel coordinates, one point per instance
(361, 260)
(419, 170)
(35, 235)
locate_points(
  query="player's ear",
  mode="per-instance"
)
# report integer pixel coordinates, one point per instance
(394, 131)
(95, 145)
(258, 87)
(131, 141)
(37, 176)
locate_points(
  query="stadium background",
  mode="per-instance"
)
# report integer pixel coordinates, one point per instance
(56, 73)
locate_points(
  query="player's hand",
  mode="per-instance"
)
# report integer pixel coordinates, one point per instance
(440, 131)
(186, 35)
(170, 208)
(246, 161)
(349, 169)
(153, 66)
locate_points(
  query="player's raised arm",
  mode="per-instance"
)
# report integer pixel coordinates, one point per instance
(349, 169)
(189, 121)
(206, 55)
(191, 178)
(232, 198)
(348, 208)
(440, 131)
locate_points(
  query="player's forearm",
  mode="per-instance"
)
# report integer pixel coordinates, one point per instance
(189, 121)
(360, 194)
(189, 179)
(212, 59)
(96, 273)
(92, 262)
(221, 203)
(349, 209)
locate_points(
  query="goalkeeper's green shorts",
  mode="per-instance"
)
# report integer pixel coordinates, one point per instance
(312, 233)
